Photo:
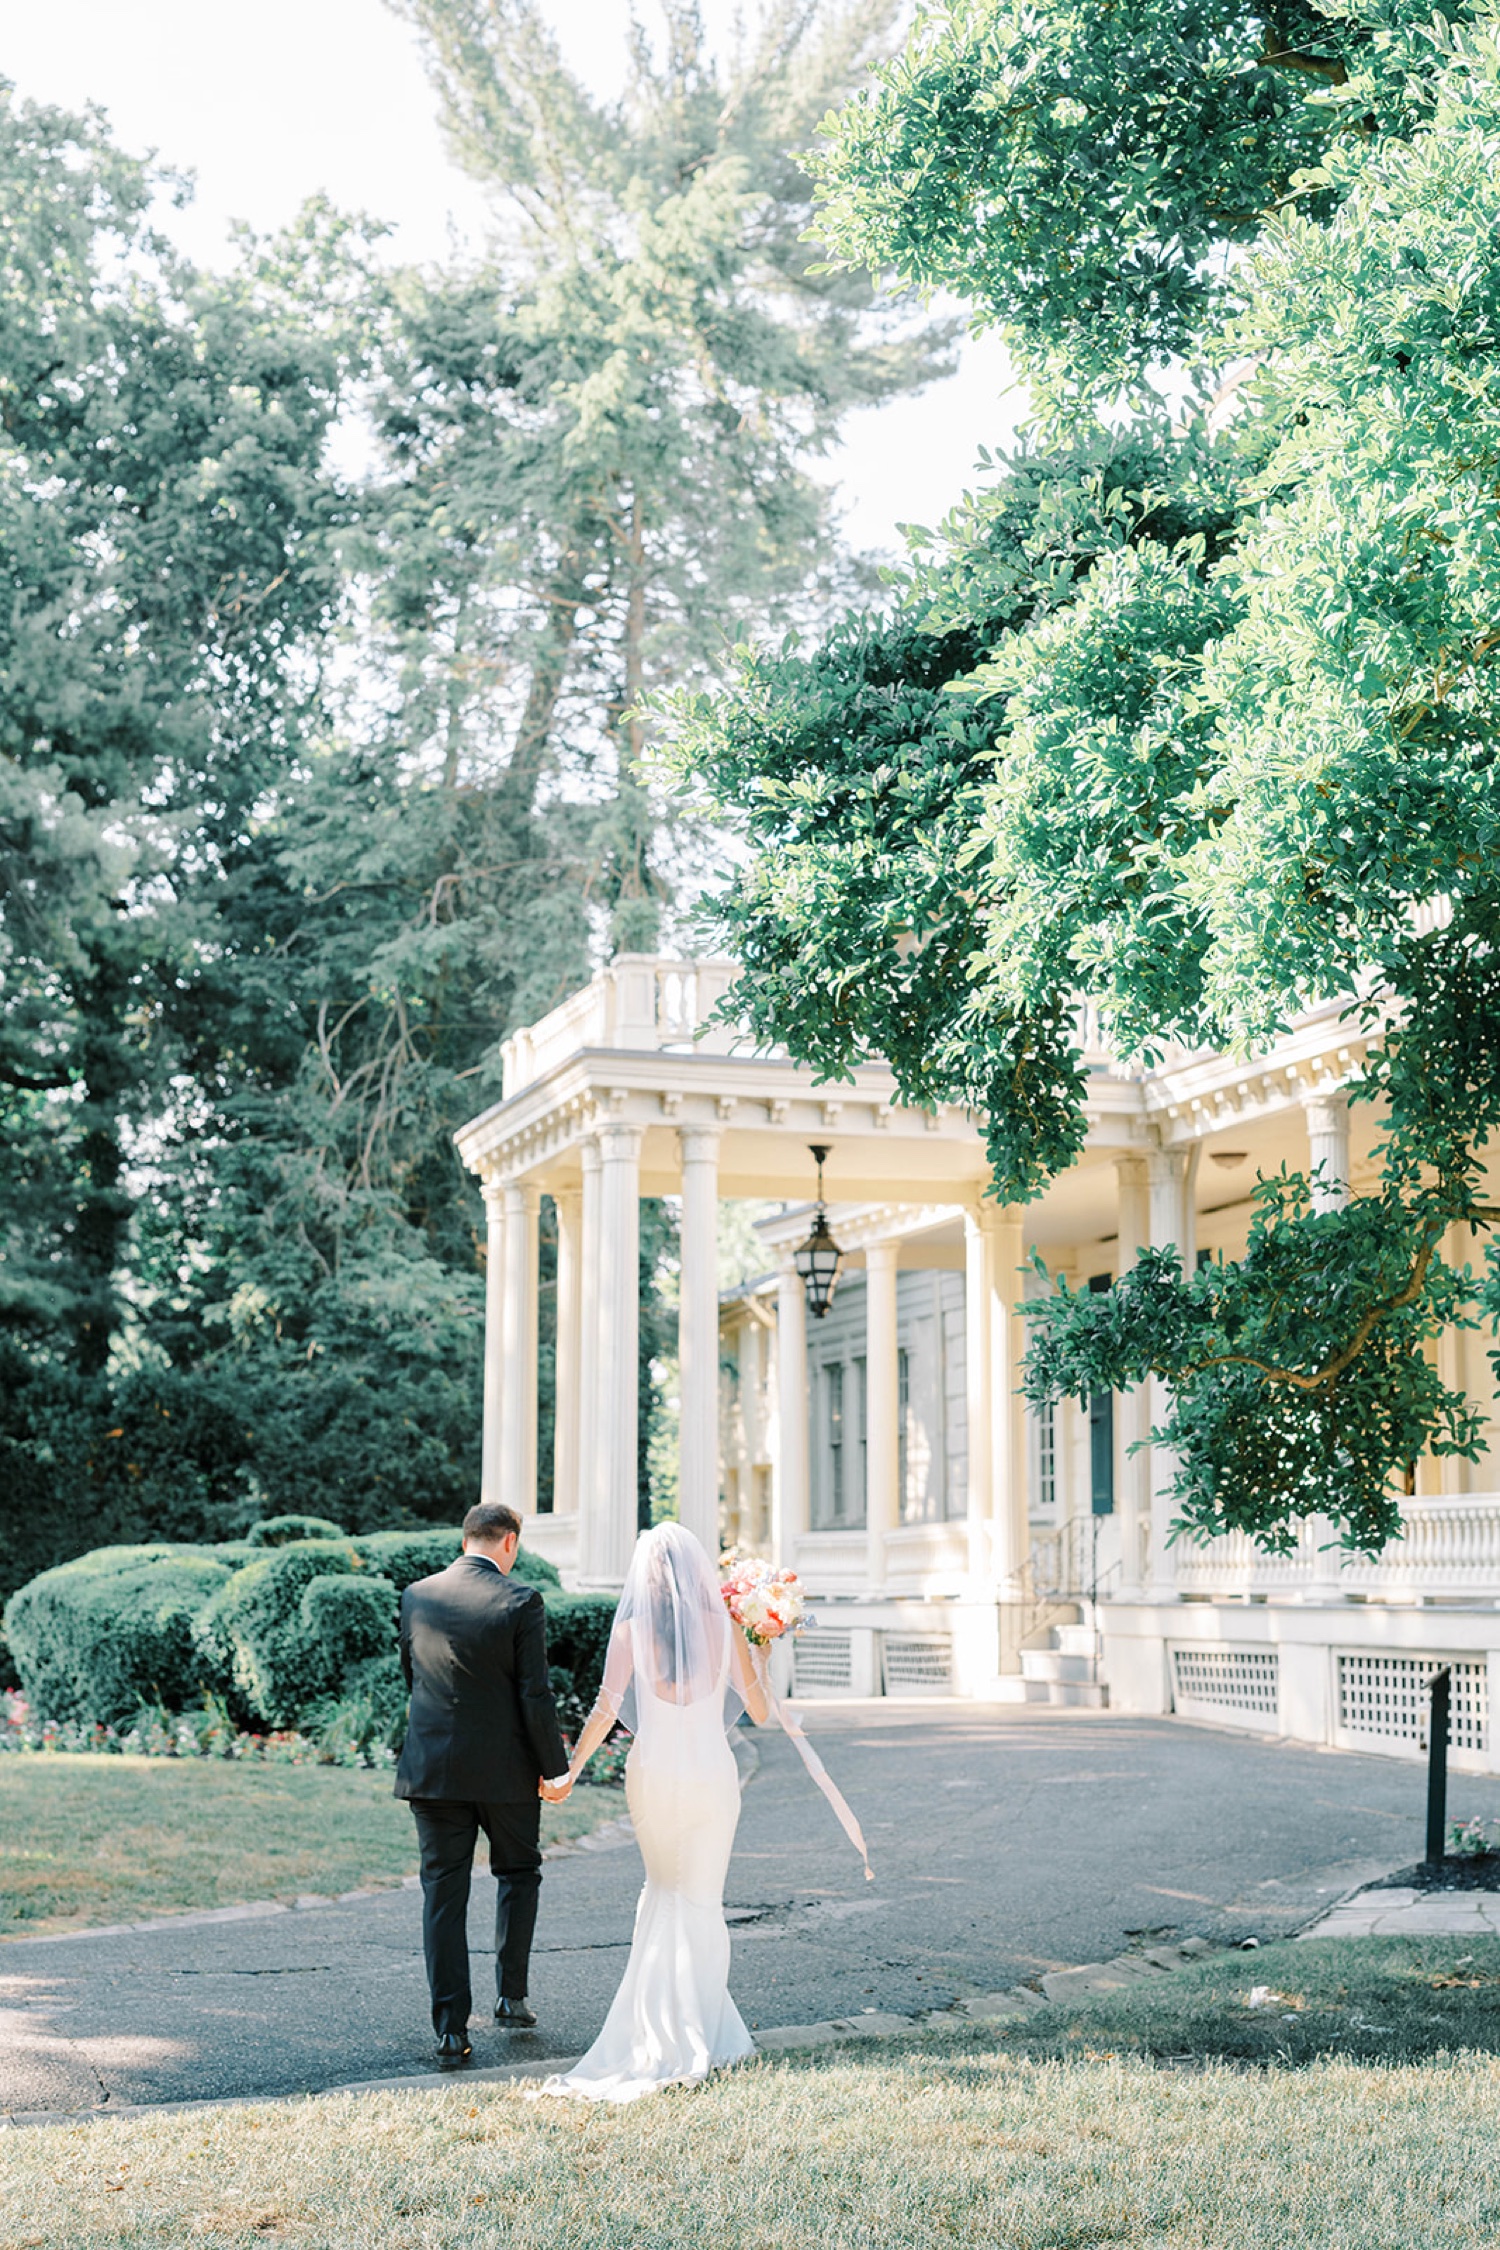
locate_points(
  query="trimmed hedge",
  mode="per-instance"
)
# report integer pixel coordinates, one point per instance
(97, 1637)
(281, 1531)
(253, 1634)
(578, 1628)
(283, 1628)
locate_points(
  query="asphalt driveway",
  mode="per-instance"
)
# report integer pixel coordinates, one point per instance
(1005, 1841)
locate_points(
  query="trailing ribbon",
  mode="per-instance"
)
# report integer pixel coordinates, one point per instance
(793, 1727)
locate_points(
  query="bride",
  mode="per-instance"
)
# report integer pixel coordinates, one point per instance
(677, 1675)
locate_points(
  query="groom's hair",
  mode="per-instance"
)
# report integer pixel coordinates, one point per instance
(491, 1522)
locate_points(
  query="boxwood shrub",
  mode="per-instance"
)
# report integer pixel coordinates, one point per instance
(283, 1627)
(577, 1636)
(281, 1531)
(256, 1632)
(97, 1637)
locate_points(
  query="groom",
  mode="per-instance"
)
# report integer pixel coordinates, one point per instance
(482, 1741)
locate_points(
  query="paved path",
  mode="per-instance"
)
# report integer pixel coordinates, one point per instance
(1402, 1912)
(1007, 1842)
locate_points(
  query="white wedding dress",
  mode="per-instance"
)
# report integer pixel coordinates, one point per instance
(669, 1669)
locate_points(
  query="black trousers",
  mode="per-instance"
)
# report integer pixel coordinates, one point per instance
(447, 1833)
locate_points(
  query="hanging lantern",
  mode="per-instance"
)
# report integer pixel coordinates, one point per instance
(819, 1258)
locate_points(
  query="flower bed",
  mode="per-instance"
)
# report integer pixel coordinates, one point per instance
(210, 1733)
(206, 1733)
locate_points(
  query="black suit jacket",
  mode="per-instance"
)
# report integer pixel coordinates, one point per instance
(483, 1727)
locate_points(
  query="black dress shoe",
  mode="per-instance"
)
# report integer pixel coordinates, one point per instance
(519, 2014)
(453, 2050)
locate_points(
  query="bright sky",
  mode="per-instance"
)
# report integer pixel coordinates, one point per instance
(267, 105)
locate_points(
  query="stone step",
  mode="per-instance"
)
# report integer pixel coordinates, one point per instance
(1055, 1664)
(1078, 1640)
(1078, 1695)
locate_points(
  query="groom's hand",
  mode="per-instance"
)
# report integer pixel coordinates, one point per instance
(555, 1791)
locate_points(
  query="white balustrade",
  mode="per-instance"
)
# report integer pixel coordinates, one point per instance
(1449, 1547)
(639, 1001)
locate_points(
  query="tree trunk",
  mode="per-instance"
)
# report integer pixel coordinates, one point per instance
(517, 791)
(102, 1207)
(636, 916)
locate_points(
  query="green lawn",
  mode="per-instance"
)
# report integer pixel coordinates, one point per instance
(1372, 1999)
(109, 1839)
(969, 2138)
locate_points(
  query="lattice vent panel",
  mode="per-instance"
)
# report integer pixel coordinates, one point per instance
(1387, 1697)
(917, 1666)
(1227, 1679)
(821, 1661)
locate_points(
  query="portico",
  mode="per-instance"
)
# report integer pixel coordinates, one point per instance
(622, 1094)
(951, 1539)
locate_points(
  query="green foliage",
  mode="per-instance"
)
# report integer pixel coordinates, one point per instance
(349, 1618)
(284, 1531)
(255, 1634)
(368, 1711)
(312, 791)
(866, 782)
(1190, 718)
(296, 1634)
(114, 1629)
(1078, 169)
(1266, 1423)
(578, 1629)
(168, 539)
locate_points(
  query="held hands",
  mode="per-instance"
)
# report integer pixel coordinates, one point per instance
(554, 1792)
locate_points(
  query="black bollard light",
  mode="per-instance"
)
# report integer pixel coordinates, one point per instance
(1437, 1767)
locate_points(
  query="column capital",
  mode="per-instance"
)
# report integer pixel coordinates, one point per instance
(699, 1144)
(492, 1188)
(1165, 1165)
(882, 1257)
(618, 1143)
(1133, 1169)
(522, 1195)
(588, 1154)
(1326, 1109)
(986, 1215)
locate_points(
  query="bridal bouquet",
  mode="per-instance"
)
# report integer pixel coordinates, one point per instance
(763, 1602)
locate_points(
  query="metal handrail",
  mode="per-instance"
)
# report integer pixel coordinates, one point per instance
(1062, 1569)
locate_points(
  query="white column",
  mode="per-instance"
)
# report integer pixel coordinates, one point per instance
(619, 1345)
(999, 1463)
(978, 1307)
(494, 1337)
(568, 1203)
(1167, 1172)
(518, 1409)
(1454, 1361)
(789, 1493)
(698, 1335)
(1010, 1472)
(590, 1445)
(1327, 1114)
(882, 1409)
(1134, 1230)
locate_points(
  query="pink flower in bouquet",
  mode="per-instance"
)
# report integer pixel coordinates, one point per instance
(763, 1602)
